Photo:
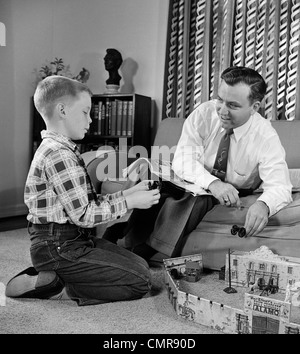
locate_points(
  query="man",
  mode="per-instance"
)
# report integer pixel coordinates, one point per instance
(255, 157)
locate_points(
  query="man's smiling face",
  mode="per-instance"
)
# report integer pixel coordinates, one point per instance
(233, 106)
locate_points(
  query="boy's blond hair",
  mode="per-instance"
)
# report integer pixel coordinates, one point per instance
(54, 89)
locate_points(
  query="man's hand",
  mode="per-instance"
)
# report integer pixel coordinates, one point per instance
(257, 218)
(142, 199)
(225, 193)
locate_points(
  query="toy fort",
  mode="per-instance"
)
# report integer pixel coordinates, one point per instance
(259, 292)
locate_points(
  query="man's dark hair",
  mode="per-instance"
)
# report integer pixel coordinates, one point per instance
(241, 74)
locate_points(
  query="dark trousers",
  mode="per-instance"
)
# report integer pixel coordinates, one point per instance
(166, 226)
(94, 270)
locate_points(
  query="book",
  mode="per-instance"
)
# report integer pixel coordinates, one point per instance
(107, 117)
(129, 118)
(94, 116)
(113, 117)
(119, 117)
(99, 131)
(103, 118)
(161, 169)
(124, 118)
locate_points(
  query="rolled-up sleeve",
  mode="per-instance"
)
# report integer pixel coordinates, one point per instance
(188, 162)
(274, 174)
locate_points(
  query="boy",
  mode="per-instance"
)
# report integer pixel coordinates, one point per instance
(63, 208)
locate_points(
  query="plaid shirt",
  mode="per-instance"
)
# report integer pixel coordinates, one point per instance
(58, 188)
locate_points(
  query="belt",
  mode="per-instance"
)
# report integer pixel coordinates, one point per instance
(53, 226)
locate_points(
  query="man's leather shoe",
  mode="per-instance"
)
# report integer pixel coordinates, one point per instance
(32, 284)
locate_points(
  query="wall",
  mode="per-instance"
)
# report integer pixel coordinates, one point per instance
(79, 32)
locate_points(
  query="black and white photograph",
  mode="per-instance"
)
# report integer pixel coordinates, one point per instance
(150, 169)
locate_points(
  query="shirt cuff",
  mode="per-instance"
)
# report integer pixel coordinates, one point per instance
(119, 204)
(205, 182)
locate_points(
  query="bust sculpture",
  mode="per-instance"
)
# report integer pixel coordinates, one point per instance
(112, 61)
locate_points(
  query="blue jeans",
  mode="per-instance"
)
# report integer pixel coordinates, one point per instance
(94, 270)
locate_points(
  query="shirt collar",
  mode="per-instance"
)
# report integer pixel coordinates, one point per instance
(59, 138)
(241, 130)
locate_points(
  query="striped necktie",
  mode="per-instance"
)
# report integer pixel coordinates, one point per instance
(220, 165)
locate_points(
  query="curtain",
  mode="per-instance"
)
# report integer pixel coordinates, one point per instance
(207, 36)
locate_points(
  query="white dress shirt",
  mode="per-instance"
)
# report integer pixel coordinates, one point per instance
(256, 156)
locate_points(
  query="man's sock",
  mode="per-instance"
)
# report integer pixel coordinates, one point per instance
(115, 232)
(145, 251)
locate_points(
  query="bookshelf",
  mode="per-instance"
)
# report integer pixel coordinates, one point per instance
(116, 119)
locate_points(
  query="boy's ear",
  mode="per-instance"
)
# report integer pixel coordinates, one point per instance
(61, 110)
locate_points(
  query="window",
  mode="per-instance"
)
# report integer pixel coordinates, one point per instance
(205, 37)
(262, 266)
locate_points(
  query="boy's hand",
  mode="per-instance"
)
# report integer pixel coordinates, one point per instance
(142, 199)
(141, 186)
